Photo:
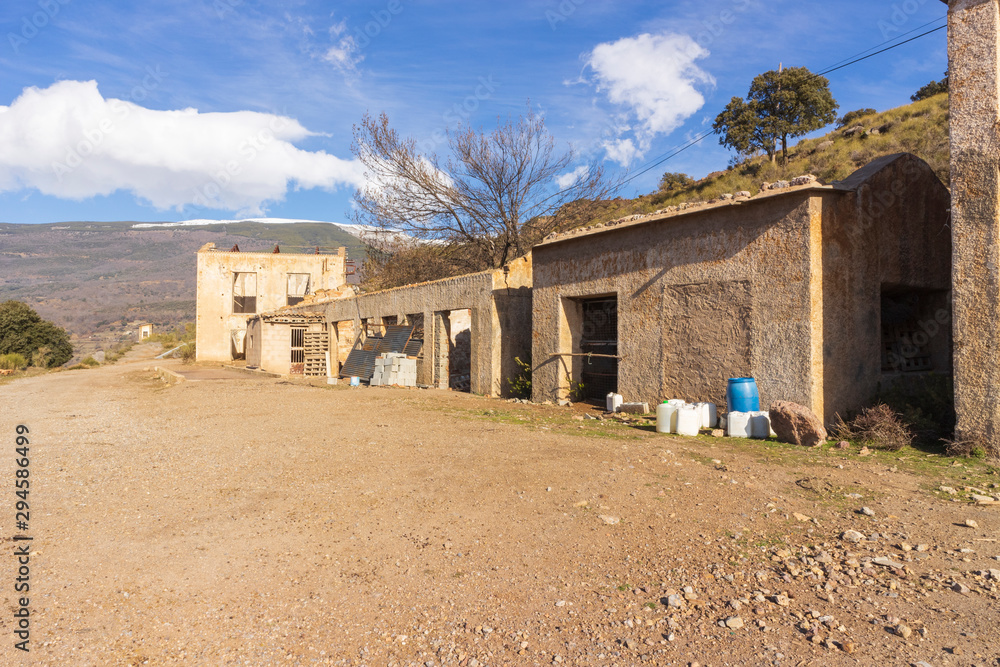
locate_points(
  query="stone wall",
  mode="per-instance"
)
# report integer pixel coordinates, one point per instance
(974, 77)
(755, 252)
(498, 322)
(888, 236)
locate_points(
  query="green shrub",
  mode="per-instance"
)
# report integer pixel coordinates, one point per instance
(40, 359)
(520, 384)
(12, 361)
(118, 351)
(852, 116)
(23, 331)
(187, 353)
(89, 362)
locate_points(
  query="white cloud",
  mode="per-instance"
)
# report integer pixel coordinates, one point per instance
(655, 79)
(572, 177)
(622, 151)
(344, 54)
(68, 141)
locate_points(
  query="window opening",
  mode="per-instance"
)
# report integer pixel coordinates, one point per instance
(244, 292)
(298, 287)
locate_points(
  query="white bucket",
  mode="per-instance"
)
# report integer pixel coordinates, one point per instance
(738, 424)
(666, 418)
(679, 402)
(760, 425)
(709, 415)
(614, 402)
(688, 420)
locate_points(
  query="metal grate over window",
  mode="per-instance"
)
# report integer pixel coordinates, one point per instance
(298, 345)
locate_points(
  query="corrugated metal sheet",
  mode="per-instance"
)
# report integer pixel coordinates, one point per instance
(395, 338)
(412, 347)
(361, 361)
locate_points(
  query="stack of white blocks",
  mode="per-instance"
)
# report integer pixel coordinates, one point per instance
(393, 368)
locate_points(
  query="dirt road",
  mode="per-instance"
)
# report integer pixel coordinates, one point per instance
(260, 522)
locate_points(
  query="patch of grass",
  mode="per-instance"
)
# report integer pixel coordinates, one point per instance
(117, 352)
(700, 458)
(12, 361)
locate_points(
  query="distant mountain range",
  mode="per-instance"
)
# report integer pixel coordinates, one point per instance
(93, 277)
(353, 230)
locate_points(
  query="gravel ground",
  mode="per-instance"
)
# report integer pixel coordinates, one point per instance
(258, 521)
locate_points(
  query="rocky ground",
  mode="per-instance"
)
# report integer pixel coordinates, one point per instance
(256, 521)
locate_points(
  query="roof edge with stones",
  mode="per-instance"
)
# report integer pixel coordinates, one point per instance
(768, 191)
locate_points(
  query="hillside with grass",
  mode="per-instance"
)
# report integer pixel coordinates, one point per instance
(920, 128)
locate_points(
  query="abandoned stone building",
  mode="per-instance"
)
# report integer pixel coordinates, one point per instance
(466, 330)
(232, 286)
(823, 293)
(288, 343)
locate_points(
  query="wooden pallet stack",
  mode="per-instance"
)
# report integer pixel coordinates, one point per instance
(315, 346)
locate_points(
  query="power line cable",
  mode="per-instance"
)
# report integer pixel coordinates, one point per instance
(889, 41)
(844, 63)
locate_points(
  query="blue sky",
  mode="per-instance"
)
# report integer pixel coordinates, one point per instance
(227, 108)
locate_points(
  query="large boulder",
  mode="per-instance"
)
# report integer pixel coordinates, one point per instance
(797, 424)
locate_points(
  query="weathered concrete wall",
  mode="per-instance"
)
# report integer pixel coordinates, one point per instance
(276, 345)
(254, 342)
(216, 270)
(889, 235)
(974, 77)
(499, 303)
(702, 296)
(786, 288)
(270, 342)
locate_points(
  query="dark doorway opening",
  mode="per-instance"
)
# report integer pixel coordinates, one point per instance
(599, 336)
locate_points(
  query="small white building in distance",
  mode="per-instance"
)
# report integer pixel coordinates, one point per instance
(234, 286)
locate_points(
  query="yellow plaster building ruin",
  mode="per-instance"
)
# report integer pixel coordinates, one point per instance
(234, 286)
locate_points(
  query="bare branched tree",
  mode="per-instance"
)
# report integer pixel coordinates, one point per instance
(497, 194)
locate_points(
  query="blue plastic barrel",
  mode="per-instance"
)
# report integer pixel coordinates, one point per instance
(742, 396)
